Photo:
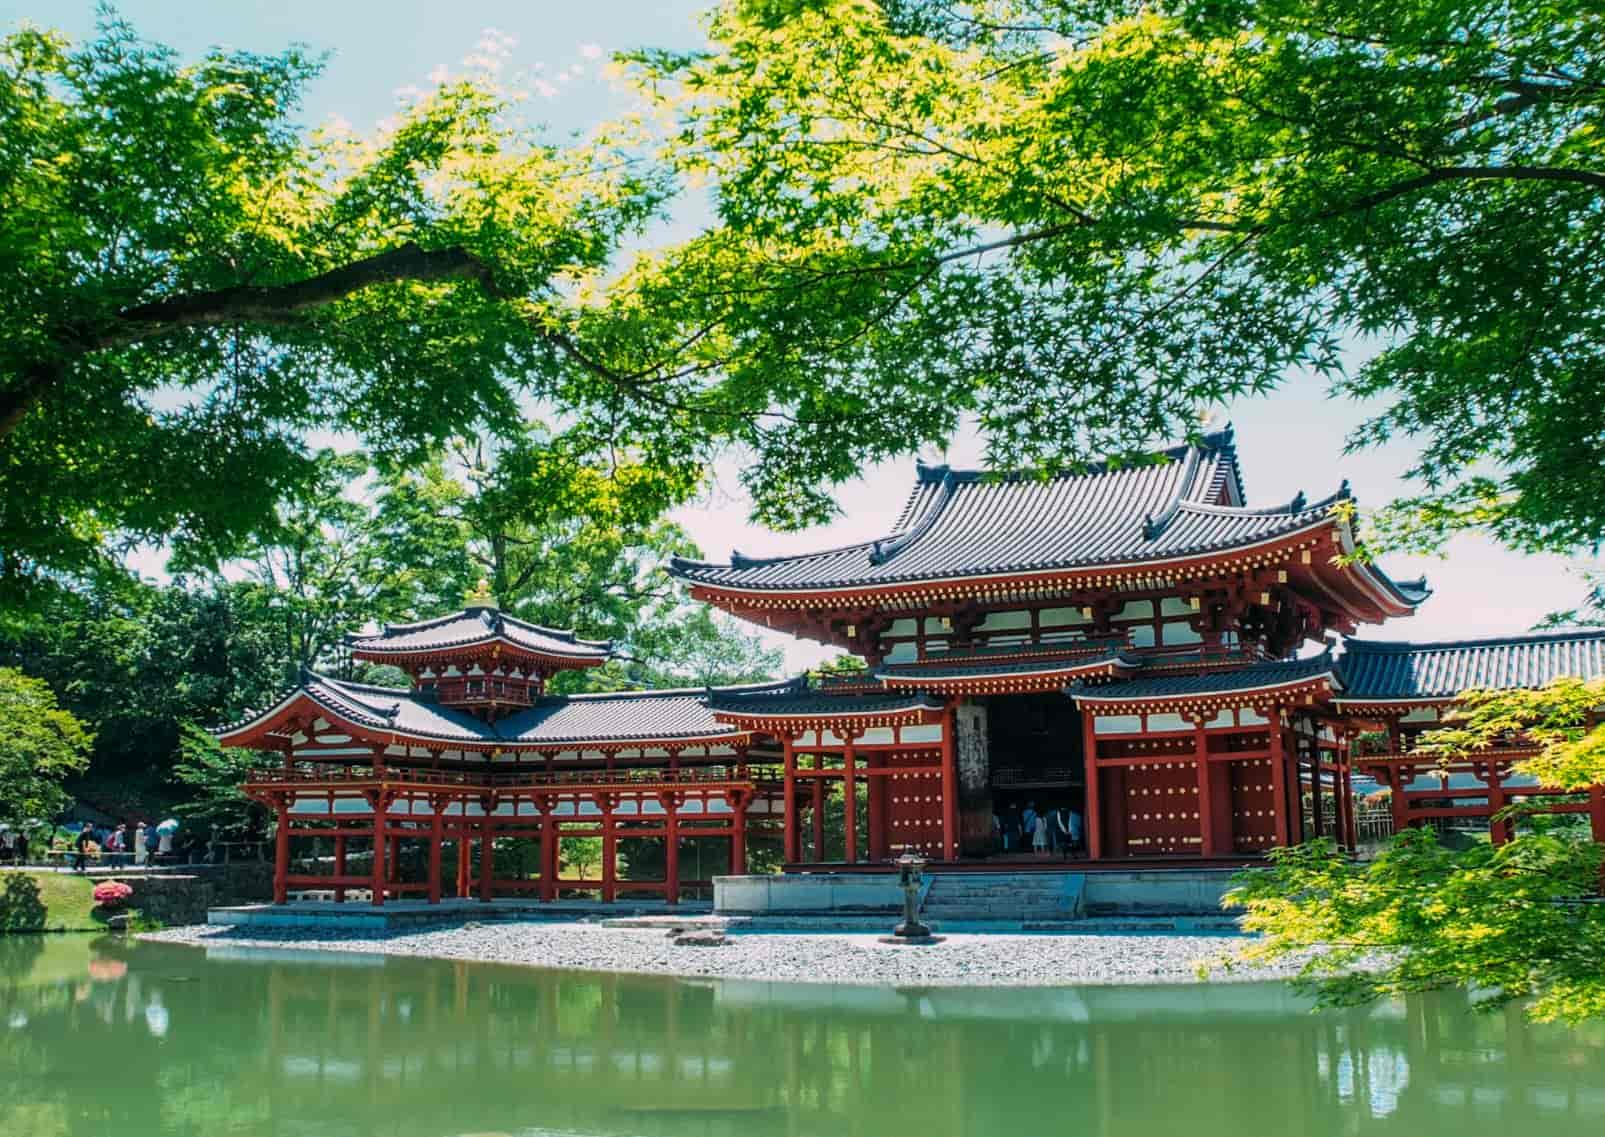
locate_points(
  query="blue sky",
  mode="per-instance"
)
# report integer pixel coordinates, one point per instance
(1290, 441)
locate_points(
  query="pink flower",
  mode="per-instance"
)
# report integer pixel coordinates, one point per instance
(112, 893)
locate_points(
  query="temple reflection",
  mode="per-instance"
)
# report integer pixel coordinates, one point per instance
(151, 1038)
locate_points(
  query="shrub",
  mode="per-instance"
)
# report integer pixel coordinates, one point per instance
(112, 893)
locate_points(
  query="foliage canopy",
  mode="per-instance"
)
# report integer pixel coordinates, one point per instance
(1080, 220)
(1514, 921)
(40, 746)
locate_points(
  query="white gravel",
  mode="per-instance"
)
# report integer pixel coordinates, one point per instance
(1013, 959)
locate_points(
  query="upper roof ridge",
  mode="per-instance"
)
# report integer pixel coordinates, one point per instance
(1548, 635)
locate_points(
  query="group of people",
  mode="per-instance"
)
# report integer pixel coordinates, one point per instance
(121, 844)
(1042, 832)
(14, 847)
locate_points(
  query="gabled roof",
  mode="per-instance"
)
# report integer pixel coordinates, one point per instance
(629, 715)
(938, 670)
(1375, 670)
(1181, 503)
(473, 627)
(623, 716)
(801, 702)
(1188, 686)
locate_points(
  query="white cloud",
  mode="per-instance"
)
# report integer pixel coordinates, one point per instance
(591, 50)
(545, 90)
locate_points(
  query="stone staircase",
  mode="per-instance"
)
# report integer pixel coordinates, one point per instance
(1027, 897)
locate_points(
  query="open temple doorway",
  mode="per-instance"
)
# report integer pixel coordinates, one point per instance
(1034, 769)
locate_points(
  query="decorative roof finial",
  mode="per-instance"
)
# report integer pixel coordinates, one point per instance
(480, 597)
(1298, 502)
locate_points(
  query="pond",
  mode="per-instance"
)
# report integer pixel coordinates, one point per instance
(126, 1039)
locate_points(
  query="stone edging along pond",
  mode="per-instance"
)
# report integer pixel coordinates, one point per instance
(962, 959)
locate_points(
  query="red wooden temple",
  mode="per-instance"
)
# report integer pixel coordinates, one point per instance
(1133, 643)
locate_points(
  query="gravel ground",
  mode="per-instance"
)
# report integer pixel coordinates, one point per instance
(999, 960)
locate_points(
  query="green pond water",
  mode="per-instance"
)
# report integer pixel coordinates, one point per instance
(106, 1037)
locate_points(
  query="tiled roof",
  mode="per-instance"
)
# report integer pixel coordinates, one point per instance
(613, 716)
(964, 669)
(1188, 686)
(1373, 669)
(799, 701)
(475, 626)
(1186, 501)
(389, 708)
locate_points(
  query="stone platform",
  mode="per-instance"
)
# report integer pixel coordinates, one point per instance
(1041, 896)
(398, 914)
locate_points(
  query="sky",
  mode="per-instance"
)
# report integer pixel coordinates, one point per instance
(1287, 442)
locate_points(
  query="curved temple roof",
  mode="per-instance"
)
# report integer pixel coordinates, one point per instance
(623, 716)
(1186, 502)
(1237, 681)
(1378, 671)
(472, 627)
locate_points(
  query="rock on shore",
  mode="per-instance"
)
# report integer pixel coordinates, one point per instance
(961, 959)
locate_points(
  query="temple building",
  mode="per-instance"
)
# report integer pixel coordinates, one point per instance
(1131, 643)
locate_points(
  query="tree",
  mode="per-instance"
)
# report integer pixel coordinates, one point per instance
(135, 667)
(1510, 921)
(325, 568)
(191, 281)
(40, 746)
(214, 776)
(1079, 220)
(572, 537)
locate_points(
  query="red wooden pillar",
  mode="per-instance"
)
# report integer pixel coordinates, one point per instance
(1317, 822)
(1397, 805)
(877, 808)
(487, 857)
(549, 848)
(437, 836)
(791, 836)
(819, 807)
(850, 798)
(281, 852)
(671, 847)
(339, 866)
(1209, 841)
(738, 834)
(1499, 831)
(379, 878)
(1284, 832)
(1345, 786)
(610, 844)
(1092, 818)
(464, 851)
(1596, 812)
(950, 785)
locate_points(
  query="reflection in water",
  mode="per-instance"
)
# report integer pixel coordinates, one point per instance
(129, 1039)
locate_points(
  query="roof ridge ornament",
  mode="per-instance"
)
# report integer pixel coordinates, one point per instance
(481, 597)
(886, 548)
(1298, 503)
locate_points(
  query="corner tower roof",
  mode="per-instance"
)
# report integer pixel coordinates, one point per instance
(1378, 671)
(476, 628)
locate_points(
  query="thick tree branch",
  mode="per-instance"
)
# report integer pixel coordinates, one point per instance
(271, 304)
(239, 304)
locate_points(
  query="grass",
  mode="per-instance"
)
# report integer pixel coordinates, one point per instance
(47, 902)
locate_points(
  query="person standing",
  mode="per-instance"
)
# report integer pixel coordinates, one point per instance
(164, 843)
(22, 848)
(1039, 835)
(1028, 826)
(116, 843)
(86, 838)
(141, 845)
